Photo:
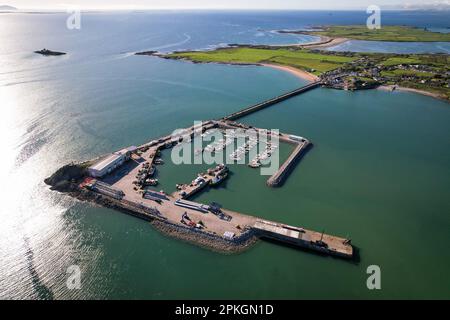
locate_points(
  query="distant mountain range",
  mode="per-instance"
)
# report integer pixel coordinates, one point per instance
(7, 8)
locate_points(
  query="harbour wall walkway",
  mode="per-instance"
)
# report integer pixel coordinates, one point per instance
(278, 177)
(270, 102)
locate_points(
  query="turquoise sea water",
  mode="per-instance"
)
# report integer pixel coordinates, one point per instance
(378, 172)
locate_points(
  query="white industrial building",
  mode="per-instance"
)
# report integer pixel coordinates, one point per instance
(111, 162)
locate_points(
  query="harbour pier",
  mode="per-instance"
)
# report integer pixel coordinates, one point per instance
(304, 238)
(118, 188)
(212, 220)
(239, 114)
(283, 171)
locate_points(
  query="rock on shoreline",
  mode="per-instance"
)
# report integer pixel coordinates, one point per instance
(207, 240)
(147, 53)
(62, 179)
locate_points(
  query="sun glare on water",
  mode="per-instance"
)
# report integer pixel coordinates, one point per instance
(30, 219)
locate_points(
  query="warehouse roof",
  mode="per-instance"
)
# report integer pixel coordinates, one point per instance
(105, 162)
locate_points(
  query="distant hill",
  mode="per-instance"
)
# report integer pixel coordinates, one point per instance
(7, 8)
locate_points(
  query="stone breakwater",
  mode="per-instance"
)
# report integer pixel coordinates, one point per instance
(206, 239)
(64, 182)
(194, 236)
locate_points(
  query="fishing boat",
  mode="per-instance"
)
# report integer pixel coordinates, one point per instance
(151, 182)
(219, 178)
(151, 171)
(255, 164)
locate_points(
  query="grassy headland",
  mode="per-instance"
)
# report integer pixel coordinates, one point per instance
(341, 70)
(306, 60)
(385, 33)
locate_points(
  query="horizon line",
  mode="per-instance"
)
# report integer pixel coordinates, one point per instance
(59, 8)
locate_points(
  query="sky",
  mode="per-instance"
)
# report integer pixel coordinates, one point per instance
(220, 4)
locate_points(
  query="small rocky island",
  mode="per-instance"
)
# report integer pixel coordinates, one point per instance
(147, 53)
(47, 52)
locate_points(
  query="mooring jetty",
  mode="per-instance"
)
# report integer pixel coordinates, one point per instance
(301, 145)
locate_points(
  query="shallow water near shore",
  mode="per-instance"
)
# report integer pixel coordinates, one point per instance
(378, 172)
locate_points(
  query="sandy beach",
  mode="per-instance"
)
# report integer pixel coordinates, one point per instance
(330, 42)
(322, 43)
(398, 88)
(297, 72)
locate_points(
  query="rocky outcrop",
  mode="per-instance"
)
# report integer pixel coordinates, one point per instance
(205, 239)
(47, 52)
(147, 53)
(64, 178)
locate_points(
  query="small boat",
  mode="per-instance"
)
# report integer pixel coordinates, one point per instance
(158, 161)
(151, 182)
(218, 178)
(179, 186)
(255, 164)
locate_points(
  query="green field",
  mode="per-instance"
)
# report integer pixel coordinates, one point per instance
(432, 76)
(399, 60)
(428, 59)
(302, 59)
(386, 33)
(396, 73)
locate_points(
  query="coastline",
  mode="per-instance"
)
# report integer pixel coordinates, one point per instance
(322, 43)
(405, 89)
(302, 74)
(297, 72)
(331, 42)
